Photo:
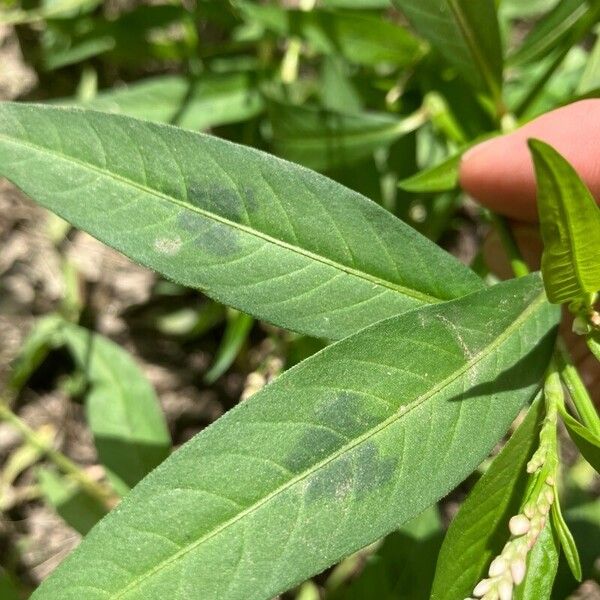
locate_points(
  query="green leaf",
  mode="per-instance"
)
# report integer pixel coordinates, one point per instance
(78, 509)
(324, 140)
(593, 343)
(49, 10)
(549, 31)
(267, 237)
(158, 32)
(542, 564)
(200, 103)
(566, 539)
(439, 178)
(590, 80)
(584, 522)
(338, 92)
(480, 529)
(8, 587)
(236, 333)
(465, 33)
(361, 39)
(587, 441)
(121, 407)
(517, 9)
(404, 565)
(332, 455)
(570, 224)
(44, 336)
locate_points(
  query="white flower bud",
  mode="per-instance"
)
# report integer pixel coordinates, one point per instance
(497, 567)
(482, 588)
(550, 480)
(519, 525)
(549, 494)
(505, 590)
(543, 507)
(517, 570)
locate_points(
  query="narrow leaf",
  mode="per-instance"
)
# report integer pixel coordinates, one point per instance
(325, 140)
(442, 177)
(265, 236)
(338, 92)
(586, 441)
(542, 564)
(593, 343)
(590, 80)
(549, 31)
(480, 529)
(570, 222)
(328, 458)
(236, 333)
(404, 565)
(361, 39)
(48, 10)
(464, 32)
(44, 336)
(78, 509)
(121, 407)
(199, 103)
(566, 540)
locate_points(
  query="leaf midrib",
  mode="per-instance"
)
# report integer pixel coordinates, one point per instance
(474, 48)
(412, 293)
(397, 127)
(566, 218)
(405, 410)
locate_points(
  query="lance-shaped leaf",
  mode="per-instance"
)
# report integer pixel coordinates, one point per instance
(439, 178)
(570, 222)
(48, 10)
(466, 33)
(361, 39)
(193, 103)
(121, 407)
(324, 139)
(272, 239)
(586, 441)
(542, 564)
(549, 32)
(335, 453)
(480, 529)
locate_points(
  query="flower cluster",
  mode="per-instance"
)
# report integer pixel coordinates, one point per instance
(508, 568)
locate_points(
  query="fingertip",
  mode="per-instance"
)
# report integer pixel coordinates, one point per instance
(499, 174)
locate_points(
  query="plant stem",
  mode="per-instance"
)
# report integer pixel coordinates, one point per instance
(100, 492)
(579, 394)
(562, 358)
(517, 263)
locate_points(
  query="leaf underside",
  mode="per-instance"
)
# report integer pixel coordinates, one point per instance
(334, 454)
(466, 33)
(570, 224)
(268, 237)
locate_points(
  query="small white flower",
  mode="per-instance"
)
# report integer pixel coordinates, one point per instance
(498, 567)
(517, 570)
(505, 590)
(482, 588)
(519, 525)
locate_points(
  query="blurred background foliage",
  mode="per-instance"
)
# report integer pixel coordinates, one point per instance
(344, 87)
